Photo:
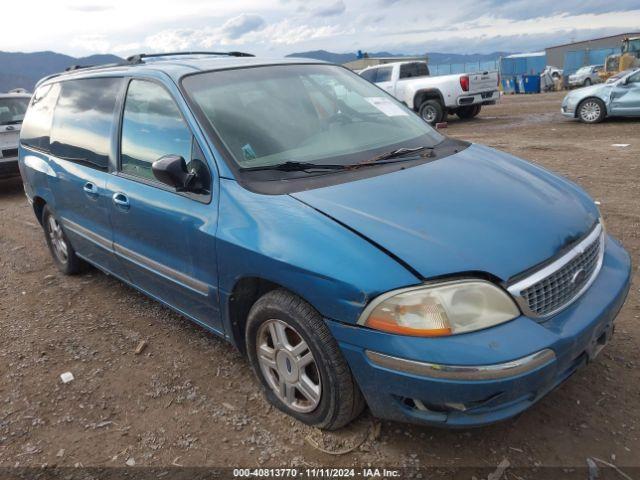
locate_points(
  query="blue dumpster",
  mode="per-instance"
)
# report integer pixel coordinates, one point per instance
(530, 84)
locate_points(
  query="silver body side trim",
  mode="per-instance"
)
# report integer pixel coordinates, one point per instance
(88, 234)
(517, 288)
(175, 276)
(464, 372)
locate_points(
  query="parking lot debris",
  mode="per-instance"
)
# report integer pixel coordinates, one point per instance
(500, 469)
(60, 453)
(593, 469)
(140, 348)
(621, 145)
(441, 125)
(130, 462)
(607, 464)
(343, 451)
(66, 377)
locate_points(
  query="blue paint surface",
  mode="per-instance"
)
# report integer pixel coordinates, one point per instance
(478, 212)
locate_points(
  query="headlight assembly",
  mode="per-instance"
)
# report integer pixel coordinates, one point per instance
(440, 309)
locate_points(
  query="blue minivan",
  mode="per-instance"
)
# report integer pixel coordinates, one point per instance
(353, 253)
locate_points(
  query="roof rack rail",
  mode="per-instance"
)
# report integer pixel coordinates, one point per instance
(138, 58)
(74, 68)
(77, 67)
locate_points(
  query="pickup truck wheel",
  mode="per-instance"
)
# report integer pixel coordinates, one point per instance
(431, 112)
(299, 363)
(592, 110)
(64, 256)
(466, 113)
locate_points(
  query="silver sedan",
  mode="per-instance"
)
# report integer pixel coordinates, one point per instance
(619, 96)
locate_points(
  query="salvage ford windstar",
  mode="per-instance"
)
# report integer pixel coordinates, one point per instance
(354, 254)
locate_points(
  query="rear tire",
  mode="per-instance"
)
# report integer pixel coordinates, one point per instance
(64, 256)
(466, 113)
(591, 110)
(298, 362)
(432, 112)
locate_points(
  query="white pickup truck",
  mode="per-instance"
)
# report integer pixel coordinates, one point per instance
(435, 97)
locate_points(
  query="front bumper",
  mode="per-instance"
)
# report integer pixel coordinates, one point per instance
(575, 336)
(568, 108)
(9, 167)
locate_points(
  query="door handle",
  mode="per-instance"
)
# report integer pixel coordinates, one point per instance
(121, 200)
(90, 189)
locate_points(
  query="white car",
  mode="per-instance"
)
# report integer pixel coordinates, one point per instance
(435, 97)
(12, 109)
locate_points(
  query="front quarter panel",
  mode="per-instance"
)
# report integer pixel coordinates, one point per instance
(280, 239)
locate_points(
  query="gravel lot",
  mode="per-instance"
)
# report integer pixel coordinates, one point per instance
(189, 399)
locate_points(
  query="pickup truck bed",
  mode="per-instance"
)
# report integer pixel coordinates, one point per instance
(436, 97)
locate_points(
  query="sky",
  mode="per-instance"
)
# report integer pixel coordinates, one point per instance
(278, 27)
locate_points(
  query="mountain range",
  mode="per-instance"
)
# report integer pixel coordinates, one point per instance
(23, 70)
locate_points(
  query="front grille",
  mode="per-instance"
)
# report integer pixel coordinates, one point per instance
(555, 286)
(10, 152)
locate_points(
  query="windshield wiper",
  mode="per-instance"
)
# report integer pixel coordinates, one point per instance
(292, 166)
(394, 156)
(401, 152)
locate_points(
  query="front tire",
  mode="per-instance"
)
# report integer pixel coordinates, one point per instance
(592, 110)
(299, 363)
(432, 112)
(64, 256)
(587, 82)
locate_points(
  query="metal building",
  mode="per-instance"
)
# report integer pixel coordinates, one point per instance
(556, 55)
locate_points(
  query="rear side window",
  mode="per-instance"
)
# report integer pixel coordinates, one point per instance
(408, 70)
(83, 121)
(423, 70)
(411, 70)
(152, 127)
(37, 121)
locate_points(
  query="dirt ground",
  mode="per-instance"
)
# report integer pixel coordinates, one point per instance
(189, 399)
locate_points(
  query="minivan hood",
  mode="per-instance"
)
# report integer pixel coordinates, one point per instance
(479, 210)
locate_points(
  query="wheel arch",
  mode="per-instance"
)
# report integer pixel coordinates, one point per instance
(427, 94)
(38, 207)
(245, 293)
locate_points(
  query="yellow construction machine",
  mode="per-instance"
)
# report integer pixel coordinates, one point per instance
(629, 57)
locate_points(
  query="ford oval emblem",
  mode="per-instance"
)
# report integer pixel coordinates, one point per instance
(578, 277)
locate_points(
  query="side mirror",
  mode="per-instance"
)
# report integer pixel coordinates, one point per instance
(172, 170)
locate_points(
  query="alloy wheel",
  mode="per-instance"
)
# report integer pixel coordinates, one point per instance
(58, 242)
(590, 111)
(429, 114)
(288, 365)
